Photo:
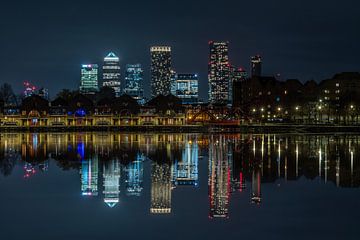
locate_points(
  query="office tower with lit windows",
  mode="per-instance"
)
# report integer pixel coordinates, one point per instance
(134, 82)
(111, 73)
(160, 70)
(185, 87)
(256, 66)
(111, 177)
(160, 188)
(219, 72)
(89, 79)
(219, 175)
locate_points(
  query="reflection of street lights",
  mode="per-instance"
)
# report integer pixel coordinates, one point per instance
(320, 115)
(297, 112)
(352, 112)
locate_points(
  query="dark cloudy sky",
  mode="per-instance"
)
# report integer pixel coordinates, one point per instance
(45, 43)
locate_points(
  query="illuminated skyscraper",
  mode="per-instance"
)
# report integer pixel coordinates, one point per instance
(219, 175)
(89, 79)
(134, 81)
(256, 66)
(89, 176)
(186, 170)
(134, 176)
(111, 73)
(111, 175)
(160, 188)
(185, 87)
(160, 70)
(219, 73)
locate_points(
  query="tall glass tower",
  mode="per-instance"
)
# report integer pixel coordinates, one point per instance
(111, 73)
(134, 82)
(160, 70)
(89, 79)
(219, 72)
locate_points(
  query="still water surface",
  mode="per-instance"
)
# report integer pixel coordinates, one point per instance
(179, 186)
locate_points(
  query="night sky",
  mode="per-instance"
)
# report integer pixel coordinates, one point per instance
(45, 43)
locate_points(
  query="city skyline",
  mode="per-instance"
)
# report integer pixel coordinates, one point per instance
(294, 40)
(203, 119)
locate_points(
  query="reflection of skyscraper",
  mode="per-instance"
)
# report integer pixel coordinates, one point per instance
(160, 70)
(111, 175)
(89, 176)
(160, 188)
(186, 170)
(219, 176)
(111, 73)
(256, 185)
(134, 176)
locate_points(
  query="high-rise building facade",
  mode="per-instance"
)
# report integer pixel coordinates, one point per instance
(89, 79)
(134, 81)
(219, 72)
(185, 87)
(238, 76)
(256, 66)
(111, 73)
(160, 70)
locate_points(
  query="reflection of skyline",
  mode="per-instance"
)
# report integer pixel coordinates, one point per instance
(238, 164)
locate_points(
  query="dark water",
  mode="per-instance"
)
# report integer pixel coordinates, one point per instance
(179, 186)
